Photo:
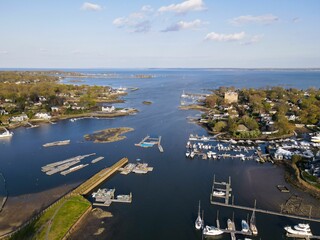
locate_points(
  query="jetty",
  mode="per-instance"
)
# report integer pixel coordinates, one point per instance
(100, 177)
(149, 141)
(31, 125)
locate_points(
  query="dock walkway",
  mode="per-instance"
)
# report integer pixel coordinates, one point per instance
(264, 211)
(100, 177)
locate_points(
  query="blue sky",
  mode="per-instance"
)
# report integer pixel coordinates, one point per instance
(167, 33)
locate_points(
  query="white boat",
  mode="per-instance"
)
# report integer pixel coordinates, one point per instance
(219, 193)
(211, 231)
(187, 154)
(199, 221)
(245, 226)
(6, 134)
(300, 229)
(316, 138)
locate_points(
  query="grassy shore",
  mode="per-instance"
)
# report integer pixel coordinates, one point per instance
(56, 220)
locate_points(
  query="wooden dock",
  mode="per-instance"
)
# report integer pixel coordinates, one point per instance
(100, 177)
(264, 211)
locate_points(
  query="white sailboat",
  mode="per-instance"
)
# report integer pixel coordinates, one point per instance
(199, 221)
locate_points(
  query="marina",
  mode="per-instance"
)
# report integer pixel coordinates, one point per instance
(150, 141)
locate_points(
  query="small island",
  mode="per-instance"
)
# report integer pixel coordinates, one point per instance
(147, 102)
(108, 135)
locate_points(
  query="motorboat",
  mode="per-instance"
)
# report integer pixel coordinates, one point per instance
(301, 229)
(212, 231)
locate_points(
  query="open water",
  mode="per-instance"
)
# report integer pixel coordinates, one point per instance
(165, 201)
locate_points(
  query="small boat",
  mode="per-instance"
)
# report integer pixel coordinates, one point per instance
(187, 154)
(211, 231)
(245, 226)
(6, 134)
(219, 193)
(199, 221)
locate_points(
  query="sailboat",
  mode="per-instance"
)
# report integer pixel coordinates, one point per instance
(199, 221)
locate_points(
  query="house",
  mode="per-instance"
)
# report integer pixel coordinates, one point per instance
(42, 99)
(55, 109)
(230, 97)
(108, 109)
(45, 116)
(20, 118)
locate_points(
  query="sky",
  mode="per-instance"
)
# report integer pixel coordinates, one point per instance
(160, 34)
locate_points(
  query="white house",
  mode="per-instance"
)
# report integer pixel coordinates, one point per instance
(21, 118)
(55, 109)
(108, 109)
(45, 116)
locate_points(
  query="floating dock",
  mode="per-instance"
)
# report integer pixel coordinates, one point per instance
(73, 169)
(150, 142)
(139, 168)
(56, 167)
(104, 197)
(57, 143)
(97, 159)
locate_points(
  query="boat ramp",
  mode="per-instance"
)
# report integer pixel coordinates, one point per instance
(104, 197)
(149, 141)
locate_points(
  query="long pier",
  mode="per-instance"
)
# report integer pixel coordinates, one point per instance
(264, 211)
(100, 177)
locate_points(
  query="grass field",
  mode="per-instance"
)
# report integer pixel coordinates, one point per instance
(56, 221)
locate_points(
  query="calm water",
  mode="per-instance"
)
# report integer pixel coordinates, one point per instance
(164, 201)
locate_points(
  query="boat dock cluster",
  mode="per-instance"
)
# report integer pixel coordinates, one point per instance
(105, 196)
(65, 166)
(139, 168)
(150, 142)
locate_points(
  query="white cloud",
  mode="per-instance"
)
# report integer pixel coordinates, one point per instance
(3, 52)
(91, 7)
(147, 8)
(136, 22)
(262, 19)
(182, 25)
(252, 40)
(186, 6)
(220, 37)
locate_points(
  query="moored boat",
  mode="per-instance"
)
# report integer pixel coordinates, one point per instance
(211, 231)
(245, 226)
(199, 221)
(300, 229)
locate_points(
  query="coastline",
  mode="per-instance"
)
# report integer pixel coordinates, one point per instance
(80, 115)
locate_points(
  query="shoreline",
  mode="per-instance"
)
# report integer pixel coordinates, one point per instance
(80, 115)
